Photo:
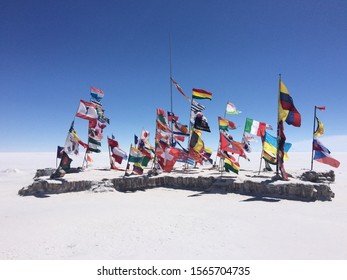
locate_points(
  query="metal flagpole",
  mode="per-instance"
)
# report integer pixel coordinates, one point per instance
(314, 126)
(190, 132)
(109, 153)
(126, 168)
(278, 127)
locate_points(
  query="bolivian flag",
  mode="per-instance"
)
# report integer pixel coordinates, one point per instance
(201, 94)
(231, 165)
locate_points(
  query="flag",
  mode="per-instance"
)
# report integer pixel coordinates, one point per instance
(322, 154)
(167, 158)
(324, 157)
(246, 145)
(180, 129)
(60, 151)
(286, 109)
(65, 162)
(230, 164)
(144, 135)
(225, 124)
(84, 145)
(322, 108)
(87, 111)
(320, 128)
(91, 140)
(197, 107)
(207, 153)
(89, 159)
(137, 168)
(93, 147)
(71, 144)
(231, 109)
(269, 157)
(254, 127)
(270, 145)
(229, 145)
(112, 142)
(201, 94)
(135, 155)
(196, 142)
(162, 123)
(118, 154)
(97, 94)
(201, 123)
(180, 89)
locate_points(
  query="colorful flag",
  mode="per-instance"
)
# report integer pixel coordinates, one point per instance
(201, 94)
(269, 157)
(87, 111)
(137, 168)
(322, 154)
(71, 144)
(94, 141)
(93, 147)
(231, 109)
(196, 142)
(201, 123)
(89, 159)
(73, 132)
(320, 128)
(270, 145)
(324, 157)
(65, 162)
(229, 145)
(97, 94)
(230, 164)
(180, 129)
(118, 154)
(246, 145)
(112, 142)
(135, 155)
(180, 90)
(167, 158)
(286, 109)
(225, 124)
(254, 127)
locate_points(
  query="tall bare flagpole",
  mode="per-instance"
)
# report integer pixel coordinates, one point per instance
(314, 126)
(278, 126)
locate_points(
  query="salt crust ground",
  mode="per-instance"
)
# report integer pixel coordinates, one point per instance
(164, 223)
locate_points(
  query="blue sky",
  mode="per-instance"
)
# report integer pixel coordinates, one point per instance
(53, 51)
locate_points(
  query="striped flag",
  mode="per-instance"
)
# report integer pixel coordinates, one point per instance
(201, 94)
(197, 107)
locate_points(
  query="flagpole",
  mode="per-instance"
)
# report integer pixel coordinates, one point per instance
(314, 126)
(109, 153)
(278, 126)
(190, 134)
(220, 159)
(171, 101)
(126, 168)
(155, 141)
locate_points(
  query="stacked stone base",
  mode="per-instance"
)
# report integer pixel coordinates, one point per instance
(271, 188)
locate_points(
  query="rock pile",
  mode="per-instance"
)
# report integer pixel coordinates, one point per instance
(315, 189)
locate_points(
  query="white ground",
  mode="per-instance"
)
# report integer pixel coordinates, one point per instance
(167, 224)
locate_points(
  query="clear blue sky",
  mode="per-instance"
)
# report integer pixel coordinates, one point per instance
(53, 51)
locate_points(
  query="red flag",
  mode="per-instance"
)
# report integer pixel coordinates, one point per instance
(322, 108)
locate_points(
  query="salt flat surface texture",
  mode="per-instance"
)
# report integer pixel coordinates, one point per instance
(165, 223)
